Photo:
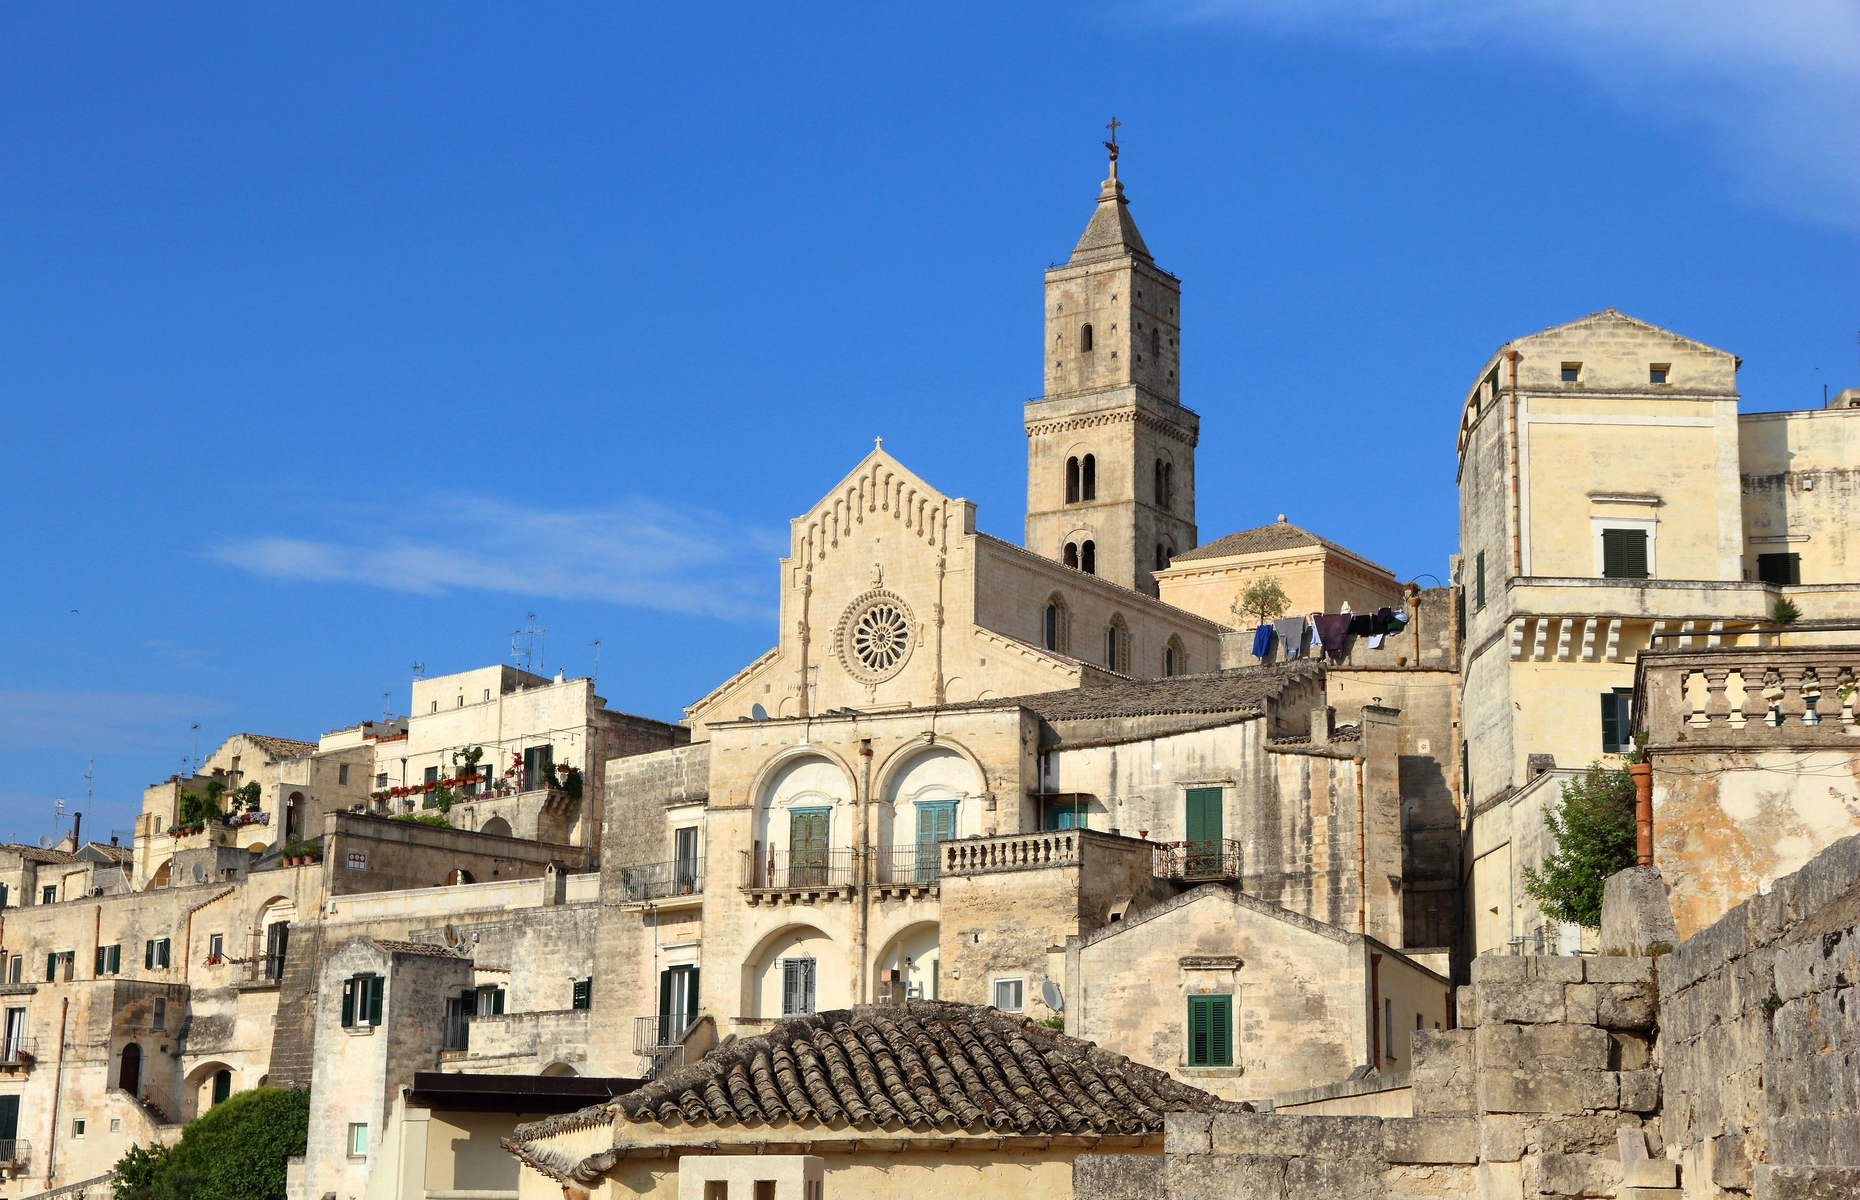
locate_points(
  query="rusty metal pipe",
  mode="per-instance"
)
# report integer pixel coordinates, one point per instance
(1642, 774)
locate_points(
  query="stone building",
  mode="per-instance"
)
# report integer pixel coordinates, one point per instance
(1317, 575)
(1579, 550)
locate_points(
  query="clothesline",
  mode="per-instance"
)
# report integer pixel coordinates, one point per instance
(1329, 632)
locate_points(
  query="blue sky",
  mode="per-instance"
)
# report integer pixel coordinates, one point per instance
(341, 337)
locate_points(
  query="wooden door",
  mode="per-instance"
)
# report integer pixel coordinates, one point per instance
(936, 822)
(807, 847)
(1204, 832)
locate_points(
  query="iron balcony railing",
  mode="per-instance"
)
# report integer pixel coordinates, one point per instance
(657, 881)
(661, 1032)
(795, 870)
(15, 1150)
(900, 865)
(18, 1051)
(1208, 859)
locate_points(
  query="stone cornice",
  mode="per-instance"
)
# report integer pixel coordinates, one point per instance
(1115, 417)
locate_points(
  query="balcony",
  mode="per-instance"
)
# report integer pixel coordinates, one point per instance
(797, 877)
(661, 1041)
(1211, 861)
(1748, 697)
(1013, 852)
(18, 1054)
(661, 881)
(15, 1154)
(908, 867)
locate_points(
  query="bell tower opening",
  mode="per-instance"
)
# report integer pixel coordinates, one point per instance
(1110, 449)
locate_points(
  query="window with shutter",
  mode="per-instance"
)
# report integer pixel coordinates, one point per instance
(797, 986)
(1617, 720)
(376, 986)
(584, 993)
(1204, 832)
(1624, 553)
(103, 956)
(1479, 582)
(1210, 1031)
(1785, 569)
(51, 968)
(348, 1003)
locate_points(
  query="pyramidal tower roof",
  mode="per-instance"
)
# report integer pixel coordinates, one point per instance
(1110, 233)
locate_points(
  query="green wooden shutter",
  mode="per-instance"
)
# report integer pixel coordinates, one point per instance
(51, 968)
(116, 959)
(497, 1003)
(376, 987)
(1221, 1022)
(582, 989)
(1203, 827)
(691, 996)
(1479, 579)
(1624, 553)
(1611, 725)
(1198, 1020)
(807, 847)
(102, 958)
(348, 1003)
(148, 955)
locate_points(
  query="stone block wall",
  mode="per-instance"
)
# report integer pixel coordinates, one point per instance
(1545, 1090)
(1760, 1040)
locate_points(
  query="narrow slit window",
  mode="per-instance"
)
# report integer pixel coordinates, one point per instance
(1072, 480)
(1071, 555)
(1085, 340)
(1088, 477)
(1088, 558)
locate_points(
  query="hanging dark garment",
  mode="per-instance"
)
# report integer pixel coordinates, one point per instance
(1332, 629)
(1359, 625)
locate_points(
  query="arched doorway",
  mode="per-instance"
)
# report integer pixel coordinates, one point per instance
(559, 1070)
(130, 1078)
(162, 874)
(796, 970)
(222, 1084)
(914, 955)
(497, 825)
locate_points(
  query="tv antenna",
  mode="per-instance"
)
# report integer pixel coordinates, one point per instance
(196, 747)
(387, 706)
(526, 646)
(419, 671)
(597, 660)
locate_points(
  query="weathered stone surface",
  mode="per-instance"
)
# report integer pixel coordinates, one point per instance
(1543, 1047)
(1730, 1162)
(1498, 968)
(1547, 1091)
(1427, 1181)
(1652, 1193)
(1550, 968)
(1352, 1179)
(1225, 1177)
(1617, 969)
(1805, 1183)
(1577, 1175)
(1628, 1051)
(1579, 1001)
(1640, 1091)
(1430, 1140)
(1525, 1003)
(1651, 1173)
(1118, 1176)
(1501, 1181)
(1466, 1006)
(1442, 1075)
(1623, 1006)
(1502, 1137)
(1637, 912)
(1827, 1140)
(1590, 1133)
(1271, 1133)
(1186, 1132)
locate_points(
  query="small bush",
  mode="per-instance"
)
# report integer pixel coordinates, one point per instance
(237, 1151)
(1594, 835)
(1785, 612)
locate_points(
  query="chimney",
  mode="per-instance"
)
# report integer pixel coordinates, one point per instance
(1323, 722)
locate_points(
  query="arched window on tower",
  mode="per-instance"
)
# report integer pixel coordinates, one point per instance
(1159, 484)
(1088, 558)
(1071, 555)
(1163, 555)
(1088, 478)
(1072, 480)
(1168, 501)
(1085, 340)
(1155, 342)
(1055, 632)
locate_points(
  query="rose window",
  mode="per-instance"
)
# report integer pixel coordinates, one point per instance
(875, 637)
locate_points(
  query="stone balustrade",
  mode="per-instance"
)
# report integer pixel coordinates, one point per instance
(1013, 852)
(1748, 696)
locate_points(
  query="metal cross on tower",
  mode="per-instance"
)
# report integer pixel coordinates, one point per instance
(1112, 144)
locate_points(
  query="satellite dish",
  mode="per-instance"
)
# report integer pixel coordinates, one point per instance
(452, 936)
(758, 713)
(45, 841)
(200, 873)
(1049, 992)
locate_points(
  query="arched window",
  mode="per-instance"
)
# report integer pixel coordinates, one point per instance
(1117, 645)
(1088, 558)
(222, 1084)
(1071, 556)
(1088, 478)
(1162, 557)
(1159, 484)
(1072, 480)
(1085, 340)
(1168, 500)
(1175, 658)
(1057, 632)
(1155, 341)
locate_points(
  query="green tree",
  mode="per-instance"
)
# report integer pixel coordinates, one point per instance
(1263, 600)
(236, 1151)
(1593, 830)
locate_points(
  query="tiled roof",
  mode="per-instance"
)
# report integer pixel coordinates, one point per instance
(925, 1064)
(1243, 689)
(426, 949)
(277, 747)
(1278, 536)
(38, 854)
(119, 853)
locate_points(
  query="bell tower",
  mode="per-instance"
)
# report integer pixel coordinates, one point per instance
(1110, 449)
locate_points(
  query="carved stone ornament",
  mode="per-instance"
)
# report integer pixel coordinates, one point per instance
(875, 636)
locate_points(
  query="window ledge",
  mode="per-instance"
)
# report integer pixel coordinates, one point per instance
(360, 1030)
(1212, 1072)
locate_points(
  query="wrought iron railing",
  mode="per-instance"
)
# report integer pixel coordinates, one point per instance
(657, 881)
(1014, 852)
(661, 1032)
(898, 865)
(794, 870)
(18, 1051)
(15, 1150)
(1206, 859)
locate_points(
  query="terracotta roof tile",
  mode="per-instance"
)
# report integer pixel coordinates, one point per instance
(426, 949)
(924, 1064)
(1279, 535)
(280, 748)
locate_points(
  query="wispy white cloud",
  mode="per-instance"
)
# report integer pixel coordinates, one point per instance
(41, 720)
(640, 553)
(1773, 88)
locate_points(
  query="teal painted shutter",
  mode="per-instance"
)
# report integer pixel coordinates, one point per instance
(582, 990)
(807, 847)
(1198, 1031)
(148, 956)
(348, 1003)
(1479, 579)
(1611, 725)
(376, 986)
(9, 1118)
(497, 1003)
(51, 967)
(102, 958)
(1204, 831)
(1221, 1025)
